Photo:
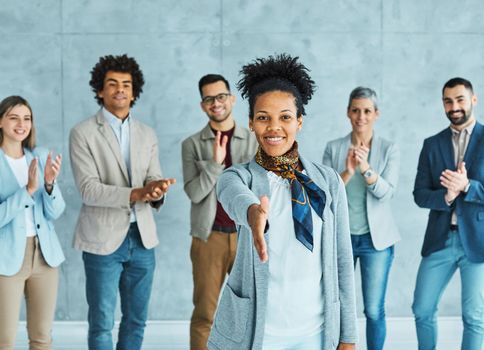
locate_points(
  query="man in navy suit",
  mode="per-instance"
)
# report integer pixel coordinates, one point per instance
(449, 182)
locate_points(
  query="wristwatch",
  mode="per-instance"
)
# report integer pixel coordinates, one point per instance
(368, 173)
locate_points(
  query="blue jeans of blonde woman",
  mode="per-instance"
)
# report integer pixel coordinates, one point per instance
(375, 268)
(434, 274)
(130, 270)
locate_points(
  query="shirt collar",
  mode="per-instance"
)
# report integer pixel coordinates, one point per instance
(113, 120)
(468, 129)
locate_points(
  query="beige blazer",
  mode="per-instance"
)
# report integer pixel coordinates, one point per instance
(102, 179)
(200, 173)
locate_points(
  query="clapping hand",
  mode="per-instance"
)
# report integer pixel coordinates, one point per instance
(154, 190)
(52, 168)
(361, 156)
(32, 182)
(220, 148)
(454, 181)
(351, 162)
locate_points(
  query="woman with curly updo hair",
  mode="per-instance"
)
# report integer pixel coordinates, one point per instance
(291, 286)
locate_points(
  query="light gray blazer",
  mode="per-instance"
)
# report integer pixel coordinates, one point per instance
(102, 179)
(200, 173)
(240, 317)
(385, 160)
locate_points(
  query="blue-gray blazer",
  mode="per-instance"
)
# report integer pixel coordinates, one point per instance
(13, 201)
(385, 160)
(240, 317)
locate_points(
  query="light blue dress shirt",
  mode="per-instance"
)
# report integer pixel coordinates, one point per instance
(121, 129)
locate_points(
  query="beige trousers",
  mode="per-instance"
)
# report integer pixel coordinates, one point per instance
(38, 282)
(211, 262)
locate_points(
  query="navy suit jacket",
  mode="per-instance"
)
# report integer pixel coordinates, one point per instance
(437, 155)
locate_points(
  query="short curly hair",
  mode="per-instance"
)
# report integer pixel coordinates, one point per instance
(276, 73)
(121, 63)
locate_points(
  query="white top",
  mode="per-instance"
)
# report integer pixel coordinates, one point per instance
(20, 169)
(295, 296)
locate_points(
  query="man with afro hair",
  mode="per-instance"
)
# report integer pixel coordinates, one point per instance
(114, 159)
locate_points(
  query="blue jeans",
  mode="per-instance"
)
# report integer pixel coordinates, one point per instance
(375, 268)
(434, 274)
(130, 268)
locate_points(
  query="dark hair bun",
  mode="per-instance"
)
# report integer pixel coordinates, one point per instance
(280, 67)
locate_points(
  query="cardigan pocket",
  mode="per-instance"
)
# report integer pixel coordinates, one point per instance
(232, 315)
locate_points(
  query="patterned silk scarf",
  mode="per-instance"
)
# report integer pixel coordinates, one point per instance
(304, 192)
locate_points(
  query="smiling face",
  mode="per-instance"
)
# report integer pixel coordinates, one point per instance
(275, 122)
(217, 102)
(459, 103)
(15, 125)
(117, 93)
(362, 115)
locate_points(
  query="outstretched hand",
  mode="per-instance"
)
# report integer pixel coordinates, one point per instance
(257, 215)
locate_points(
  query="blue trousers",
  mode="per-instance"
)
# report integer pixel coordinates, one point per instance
(434, 274)
(375, 268)
(130, 270)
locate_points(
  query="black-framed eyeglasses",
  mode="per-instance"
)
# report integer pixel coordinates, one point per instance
(208, 100)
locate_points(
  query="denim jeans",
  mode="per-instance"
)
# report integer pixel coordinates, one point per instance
(130, 269)
(434, 274)
(375, 268)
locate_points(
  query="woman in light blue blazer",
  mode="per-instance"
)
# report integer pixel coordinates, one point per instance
(369, 166)
(29, 248)
(291, 285)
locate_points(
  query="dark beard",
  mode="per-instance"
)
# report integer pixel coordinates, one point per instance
(462, 120)
(224, 118)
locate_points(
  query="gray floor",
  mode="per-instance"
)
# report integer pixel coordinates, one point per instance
(173, 335)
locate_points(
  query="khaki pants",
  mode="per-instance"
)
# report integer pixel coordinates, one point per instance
(38, 282)
(211, 261)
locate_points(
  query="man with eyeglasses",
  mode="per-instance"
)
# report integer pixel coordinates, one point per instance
(205, 155)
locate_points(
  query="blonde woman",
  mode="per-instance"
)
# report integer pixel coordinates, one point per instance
(30, 251)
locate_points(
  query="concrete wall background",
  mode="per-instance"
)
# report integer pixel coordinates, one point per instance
(405, 50)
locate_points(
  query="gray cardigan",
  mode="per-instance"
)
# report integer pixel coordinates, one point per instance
(200, 173)
(385, 159)
(240, 317)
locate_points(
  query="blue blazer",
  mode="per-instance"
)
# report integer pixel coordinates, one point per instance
(13, 200)
(437, 155)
